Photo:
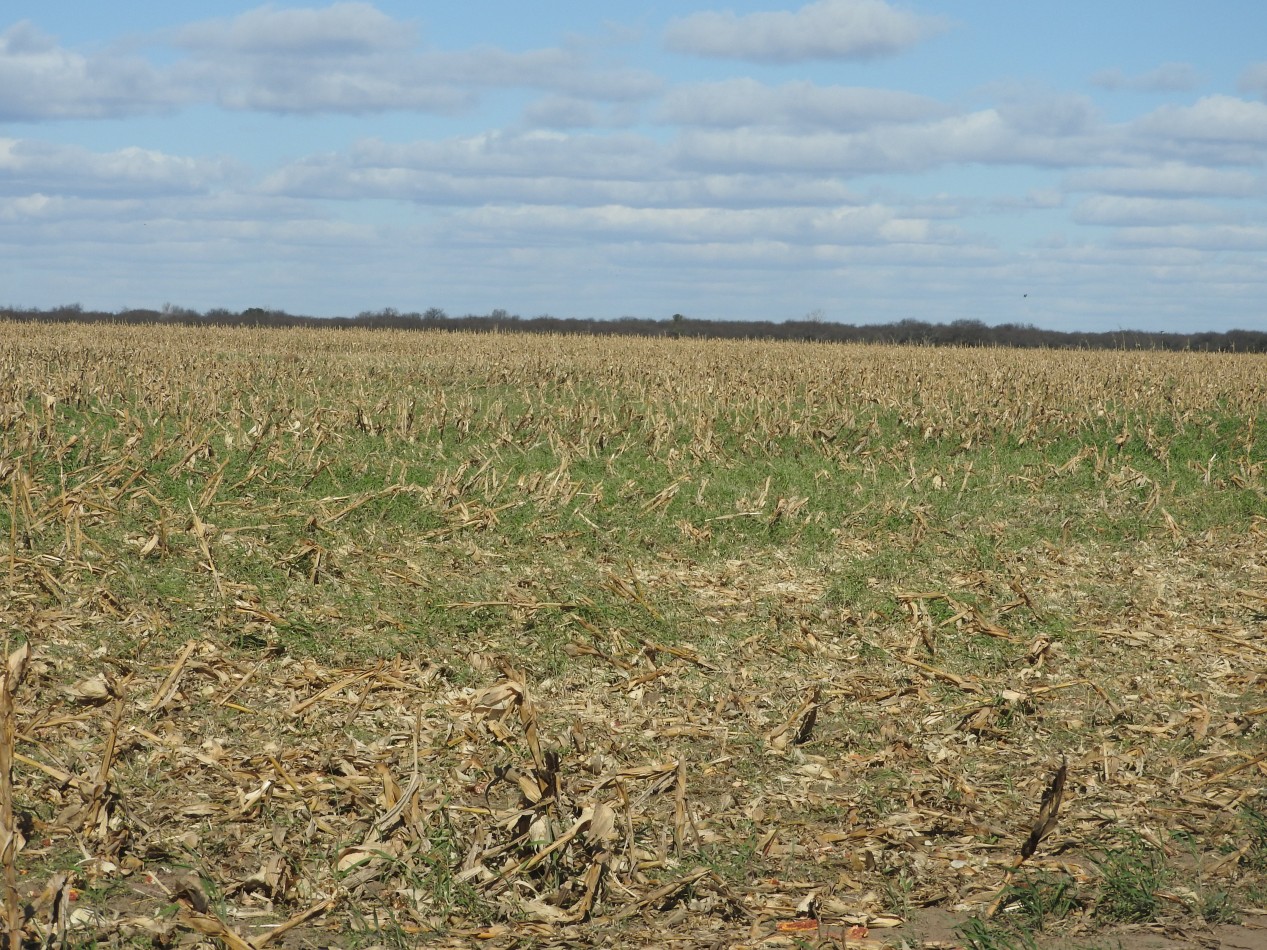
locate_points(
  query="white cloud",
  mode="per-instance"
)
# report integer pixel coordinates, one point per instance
(562, 70)
(340, 29)
(143, 246)
(30, 207)
(1167, 178)
(562, 112)
(985, 137)
(1175, 150)
(1254, 80)
(1219, 130)
(287, 87)
(40, 80)
(362, 80)
(36, 167)
(734, 103)
(1213, 118)
(1048, 113)
(352, 58)
(1122, 211)
(1219, 237)
(348, 58)
(869, 224)
(1098, 255)
(1036, 199)
(577, 170)
(619, 155)
(825, 29)
(1168, 77)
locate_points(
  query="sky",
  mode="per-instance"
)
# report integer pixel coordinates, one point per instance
(1075, 165)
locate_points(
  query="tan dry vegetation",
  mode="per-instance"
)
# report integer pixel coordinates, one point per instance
(367, 638)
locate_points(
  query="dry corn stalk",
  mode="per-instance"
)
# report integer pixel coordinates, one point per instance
(14, 671)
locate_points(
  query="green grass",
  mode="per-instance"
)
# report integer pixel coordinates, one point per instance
(1036, 900)
(978, 934)
(1131, 879)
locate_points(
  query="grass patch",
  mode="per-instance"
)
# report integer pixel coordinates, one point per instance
(1132, 878)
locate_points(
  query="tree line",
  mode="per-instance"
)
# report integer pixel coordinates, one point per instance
(810, 329)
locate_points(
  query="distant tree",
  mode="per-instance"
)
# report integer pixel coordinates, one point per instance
(173, 313)
(916, 332)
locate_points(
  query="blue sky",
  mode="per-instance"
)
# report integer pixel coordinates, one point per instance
(1075, 165)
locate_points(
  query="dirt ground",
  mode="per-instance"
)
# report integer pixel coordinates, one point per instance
(932, 928)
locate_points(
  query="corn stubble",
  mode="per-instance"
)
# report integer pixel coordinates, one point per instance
(352, 638)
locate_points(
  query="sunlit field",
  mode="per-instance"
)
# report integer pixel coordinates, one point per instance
(358, 638)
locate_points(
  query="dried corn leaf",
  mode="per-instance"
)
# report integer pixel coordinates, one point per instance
(1048, 812)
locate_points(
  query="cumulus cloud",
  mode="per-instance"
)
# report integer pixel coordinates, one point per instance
(1049, 113)
(1211, 119)
(1214, 130)
(37, 167)
(348, 58)
(1166, 178)
(869, 224)
(825, 29)
(127, 229)
(1254, 80)
(985, 137)
(540, 168)
(1173, 150)
(41, 80)
(735, 103)
(562, 112)
(1224, 237)
(286, 87)
(1036, 199)
(339, 29)
(568, 71)
(1124, 211)
(1168, 77)
(620, 155)
(361, 78)
(353, 58)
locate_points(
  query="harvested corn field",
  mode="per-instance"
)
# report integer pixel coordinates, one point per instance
(352, 638)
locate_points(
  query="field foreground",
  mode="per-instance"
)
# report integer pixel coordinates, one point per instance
(351, 638)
